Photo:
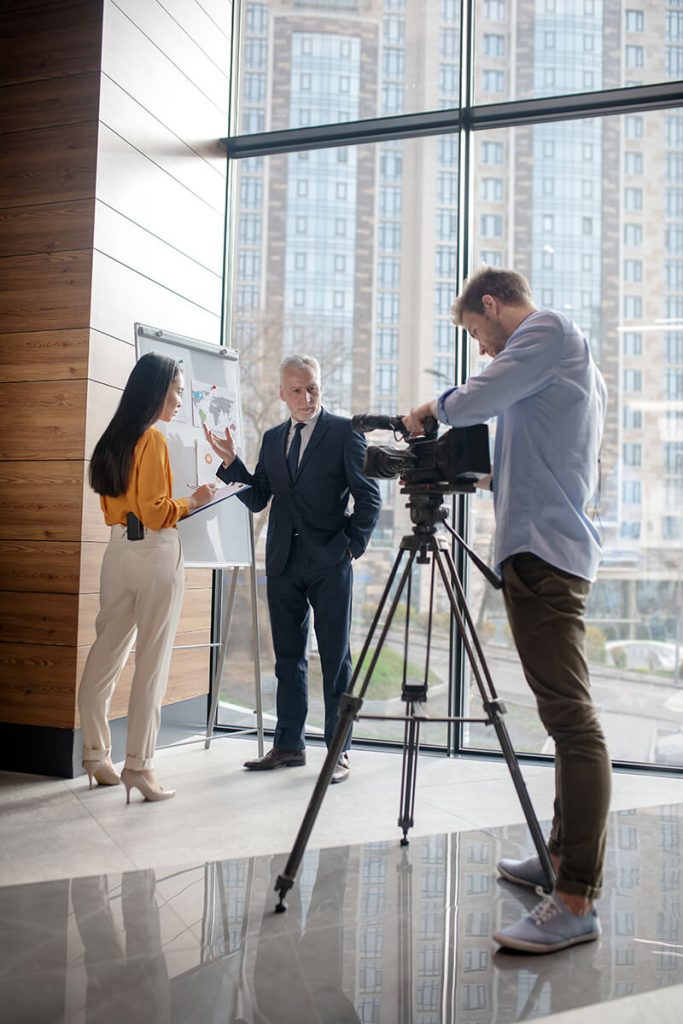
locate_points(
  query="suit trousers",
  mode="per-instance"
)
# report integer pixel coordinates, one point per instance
(546, 607)
(302, 586)
(141, 594)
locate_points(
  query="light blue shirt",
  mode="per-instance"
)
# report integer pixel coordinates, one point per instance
(550, 399)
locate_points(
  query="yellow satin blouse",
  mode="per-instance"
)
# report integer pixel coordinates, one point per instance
(150, 488)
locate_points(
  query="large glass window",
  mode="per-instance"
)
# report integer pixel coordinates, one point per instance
(634, 641)
(354, 253)
(325, 63)
(540, 49)
(372, 214)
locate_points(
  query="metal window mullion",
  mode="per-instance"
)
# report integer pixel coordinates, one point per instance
(459, 504)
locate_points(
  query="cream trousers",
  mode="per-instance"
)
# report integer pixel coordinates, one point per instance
(141, 594)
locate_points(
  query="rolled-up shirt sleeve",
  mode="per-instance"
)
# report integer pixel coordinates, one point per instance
(526, 365)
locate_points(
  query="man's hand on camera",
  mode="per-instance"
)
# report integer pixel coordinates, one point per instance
(414, 421)
(223, 447)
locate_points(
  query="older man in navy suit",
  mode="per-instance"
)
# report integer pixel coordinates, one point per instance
(310, 466)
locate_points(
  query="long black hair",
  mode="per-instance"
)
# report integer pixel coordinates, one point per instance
(140, 406)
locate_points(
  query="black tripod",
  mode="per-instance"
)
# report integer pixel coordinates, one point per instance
(424, 546)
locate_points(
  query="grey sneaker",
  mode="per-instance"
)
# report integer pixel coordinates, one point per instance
(522, 872)
(342, 769)
(550, 926)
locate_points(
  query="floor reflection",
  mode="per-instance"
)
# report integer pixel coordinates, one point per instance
(126, 975)
(373, 933)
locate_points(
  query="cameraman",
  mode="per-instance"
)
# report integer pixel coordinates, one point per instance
(549, 399)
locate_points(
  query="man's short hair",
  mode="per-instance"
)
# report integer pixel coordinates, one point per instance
(297, 362)
(509, 286)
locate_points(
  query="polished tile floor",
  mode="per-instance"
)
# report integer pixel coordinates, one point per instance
(373, 932)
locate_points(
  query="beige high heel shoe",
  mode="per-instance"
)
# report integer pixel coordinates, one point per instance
(103, 772)
(150, 790)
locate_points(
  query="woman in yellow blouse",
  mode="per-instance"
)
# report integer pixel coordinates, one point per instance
(142, 577)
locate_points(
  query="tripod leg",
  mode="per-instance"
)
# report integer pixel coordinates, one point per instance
(411, 749)
(349, 706)
(493, 707)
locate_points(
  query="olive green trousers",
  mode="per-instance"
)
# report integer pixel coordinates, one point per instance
(545, 608)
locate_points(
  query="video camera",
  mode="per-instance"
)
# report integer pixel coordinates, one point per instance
(452, 462)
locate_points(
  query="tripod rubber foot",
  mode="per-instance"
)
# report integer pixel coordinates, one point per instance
(282, 886)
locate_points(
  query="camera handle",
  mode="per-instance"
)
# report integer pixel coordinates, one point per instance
(422, 546)
(365, 423)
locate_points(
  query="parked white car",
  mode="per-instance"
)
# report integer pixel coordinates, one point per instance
(652, 655)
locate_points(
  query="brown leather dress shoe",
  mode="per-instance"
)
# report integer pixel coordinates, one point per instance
(277, 758)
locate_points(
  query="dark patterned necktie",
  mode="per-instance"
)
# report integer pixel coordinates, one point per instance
(294, 449)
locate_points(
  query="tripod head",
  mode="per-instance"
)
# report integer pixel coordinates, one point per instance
(426, 504)
(427, 511)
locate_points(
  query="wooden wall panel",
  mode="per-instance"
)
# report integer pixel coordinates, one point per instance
(39, 619)
(147, 73)
(94, 527)
(45, 104)
(127, 118)
(110, 359)
(220, 13)
(213, 37)
(197, 579)
(50, 423)
(37, 684)
(120, 298)
(52, 227)
(182, 49)
(41, 500)
(91, 563)
(50, 291)
(136, 92)
(193, 227)
(50, 165)
(43, 355)
(152, 258)
(40, 567)
(102, 403)
(51, 41)
(49, 96)
(188, 677)
(194, 618)
(21, 5)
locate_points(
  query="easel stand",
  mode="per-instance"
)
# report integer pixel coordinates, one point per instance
(226, 619)
(424, 546)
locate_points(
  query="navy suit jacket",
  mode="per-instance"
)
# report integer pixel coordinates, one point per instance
(315, 503)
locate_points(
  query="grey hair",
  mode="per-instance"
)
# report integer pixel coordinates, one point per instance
(297, 362)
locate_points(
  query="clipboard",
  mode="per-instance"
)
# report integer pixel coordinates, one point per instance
(222, 494)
